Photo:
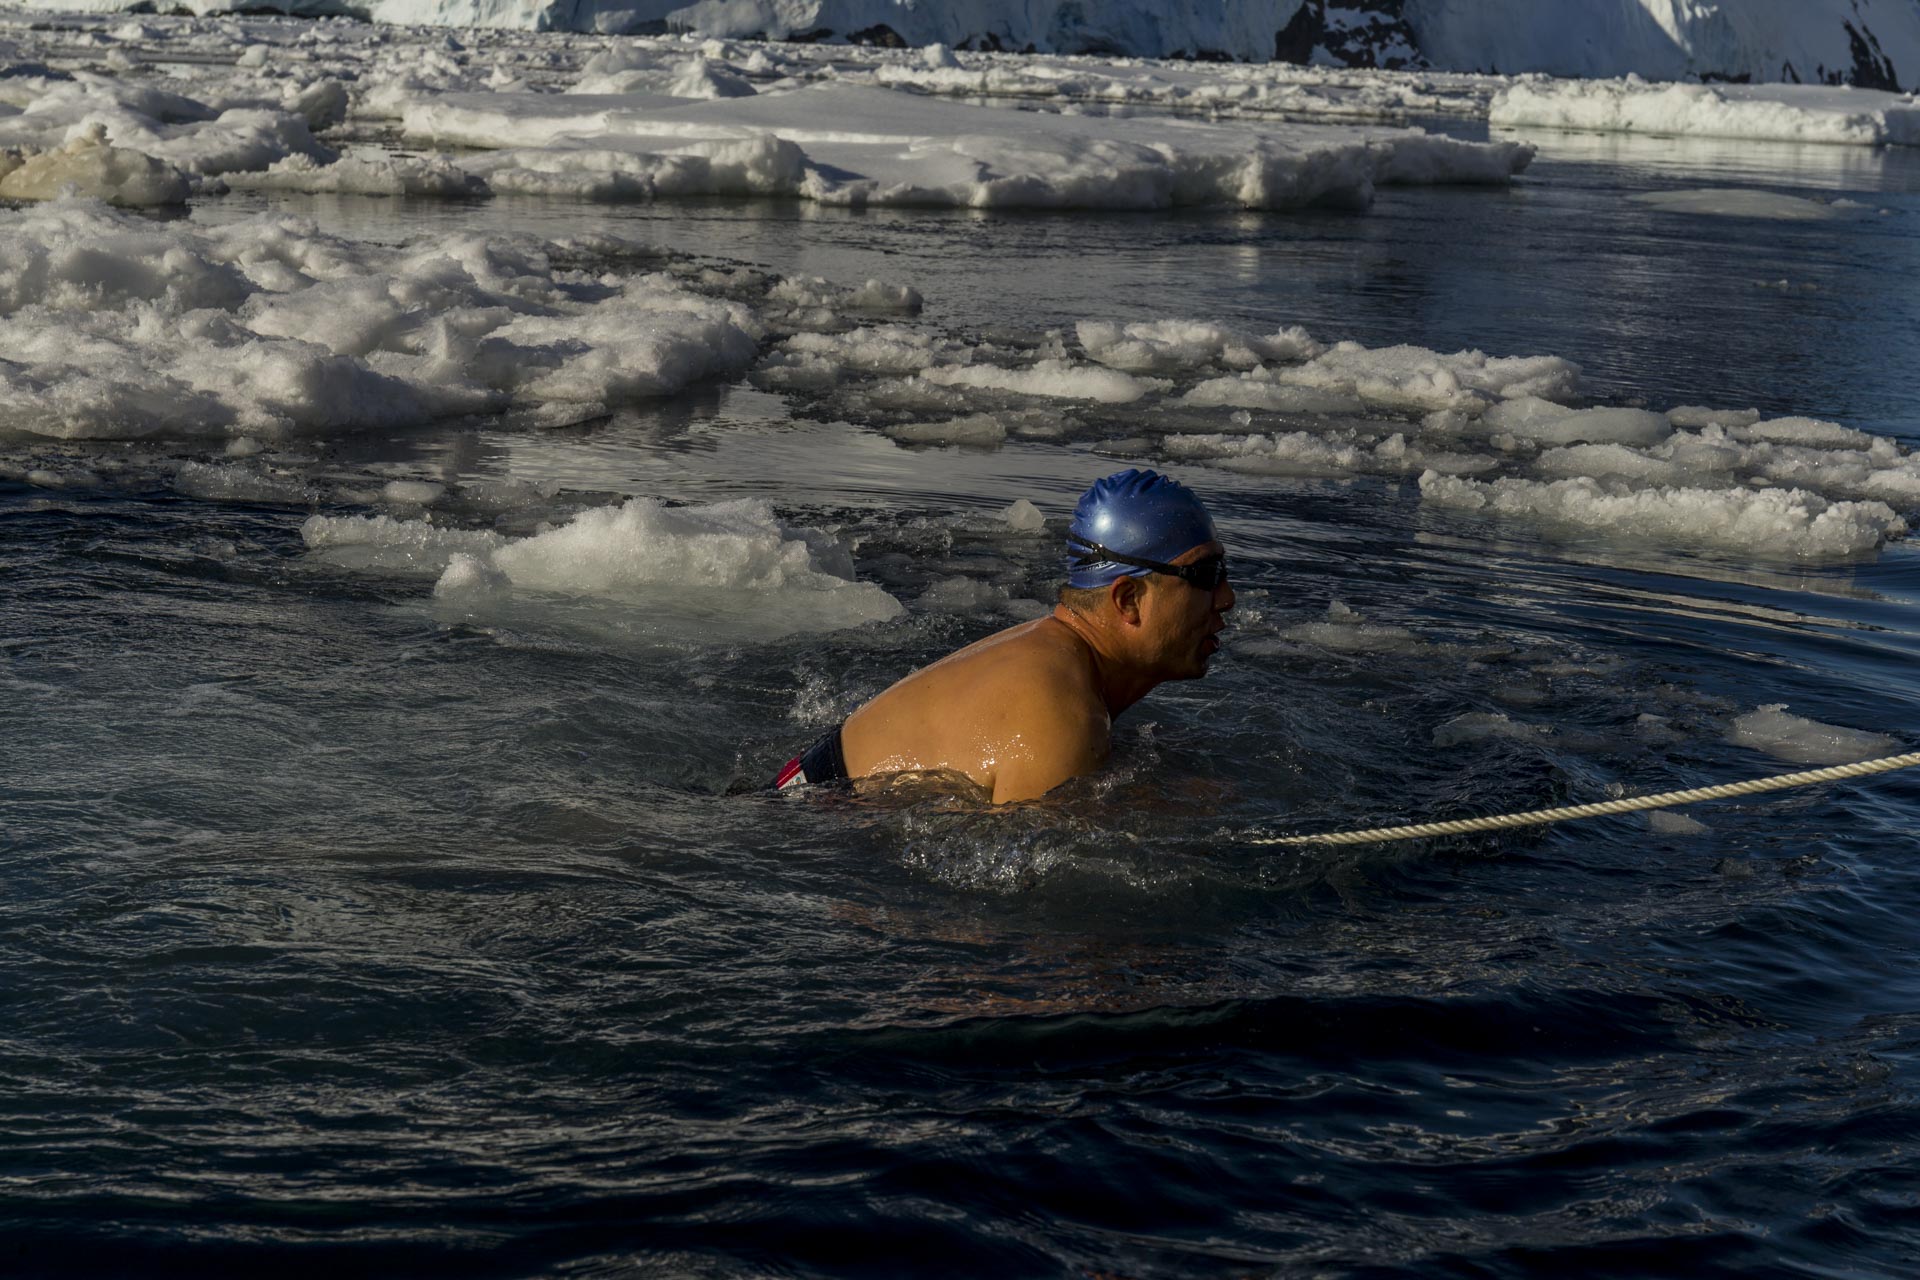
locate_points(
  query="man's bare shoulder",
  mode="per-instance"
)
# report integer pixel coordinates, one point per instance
(1031, 684)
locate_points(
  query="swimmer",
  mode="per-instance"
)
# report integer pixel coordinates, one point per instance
(1024, 710)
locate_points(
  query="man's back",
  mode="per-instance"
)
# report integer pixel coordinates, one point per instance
(1018, 713)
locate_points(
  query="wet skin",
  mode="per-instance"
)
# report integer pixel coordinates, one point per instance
(1027, 708)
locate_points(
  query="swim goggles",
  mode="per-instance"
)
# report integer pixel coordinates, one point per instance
(1206, 574)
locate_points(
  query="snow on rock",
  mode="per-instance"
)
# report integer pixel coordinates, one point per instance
(1789, 737)
(1768, 522)
(112, 326)
(1770, 112)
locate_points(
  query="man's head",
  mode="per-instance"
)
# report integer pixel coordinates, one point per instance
(1142, 555)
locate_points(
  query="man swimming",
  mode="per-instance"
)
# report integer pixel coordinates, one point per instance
(1025, 709)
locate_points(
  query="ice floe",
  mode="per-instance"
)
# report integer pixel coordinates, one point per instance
(730, 568)
(115, 327)
(1789, 737)
(1756, 112)
(1766, 522)
(857, 146)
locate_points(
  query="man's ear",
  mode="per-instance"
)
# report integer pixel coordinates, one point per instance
(1126, 594)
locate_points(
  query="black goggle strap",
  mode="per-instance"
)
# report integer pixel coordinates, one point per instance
(1093, 553)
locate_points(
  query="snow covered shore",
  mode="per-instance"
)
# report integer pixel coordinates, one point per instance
(1870, 43)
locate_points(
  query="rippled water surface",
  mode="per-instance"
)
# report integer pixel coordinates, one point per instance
(344, 928)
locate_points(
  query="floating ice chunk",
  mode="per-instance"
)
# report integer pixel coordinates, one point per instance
(405, 546)
(1805, 431)
(1167, 346)
(975, 430)
(1739, 203)
(1408, 378)
(1541, 420)
(1344, 630)
(1259, 390)
(1023, 517)
(364, 175)
(414, 493)
(1608, 460)
(962, 595)
(1772, 522)
(89, 166)
(762, 165)
(1779, 112)
(870, 146)
(819, 360)
(115, 327)
(703, 79)
(731, 566)
(872, 296)
(1478, 726)
(1788, 737)
(1288, 453)
(240, 483)
(1055, 378)
(1689, 415)
(471, 579)
(1665, 822)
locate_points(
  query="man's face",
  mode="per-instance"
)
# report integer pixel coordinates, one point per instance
(1184, 621)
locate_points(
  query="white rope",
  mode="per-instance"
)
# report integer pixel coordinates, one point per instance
(1665, 800)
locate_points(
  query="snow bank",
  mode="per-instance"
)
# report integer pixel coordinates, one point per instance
(1788, 737)
(112, 326)
(1771, 112)
(730, 569)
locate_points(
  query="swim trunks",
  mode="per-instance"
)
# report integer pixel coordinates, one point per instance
(822, 762)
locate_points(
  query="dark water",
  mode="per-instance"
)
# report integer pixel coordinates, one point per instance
(342, 933)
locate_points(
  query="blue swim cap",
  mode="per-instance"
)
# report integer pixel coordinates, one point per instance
(1136, 513)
